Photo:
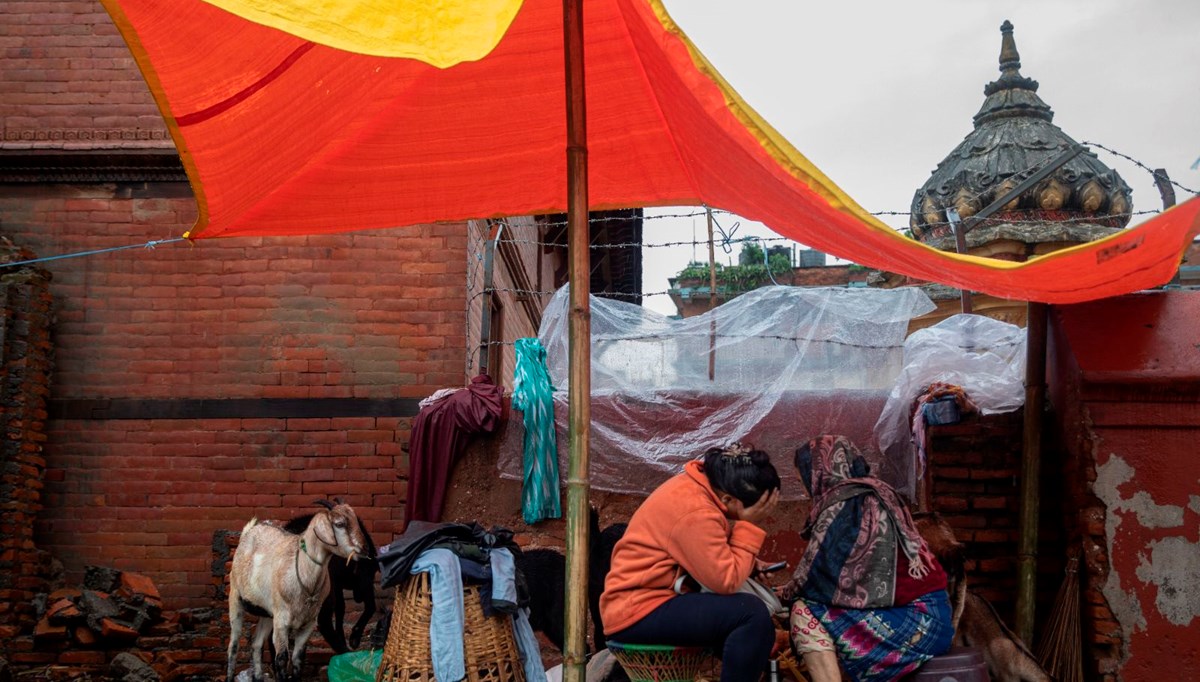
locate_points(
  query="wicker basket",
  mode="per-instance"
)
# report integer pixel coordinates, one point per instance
(659, 663)
(489, 649)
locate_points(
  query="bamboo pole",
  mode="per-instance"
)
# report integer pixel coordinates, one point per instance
(712, 298)
(580, 347)
(1031, 454)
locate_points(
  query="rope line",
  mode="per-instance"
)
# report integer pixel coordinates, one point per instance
(150, 245)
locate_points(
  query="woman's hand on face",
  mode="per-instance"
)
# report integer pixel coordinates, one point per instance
(760, 510)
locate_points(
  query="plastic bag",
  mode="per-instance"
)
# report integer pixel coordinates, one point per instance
(355, 666)
(774, 366)
(985, 357)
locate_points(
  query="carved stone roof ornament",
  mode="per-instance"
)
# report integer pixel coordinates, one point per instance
(1013, 136)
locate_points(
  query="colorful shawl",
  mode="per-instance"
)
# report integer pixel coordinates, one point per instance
(856, 527)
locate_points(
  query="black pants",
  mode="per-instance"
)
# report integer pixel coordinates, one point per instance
(735, 626)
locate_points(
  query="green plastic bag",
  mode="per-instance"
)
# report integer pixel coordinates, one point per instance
(355, 666)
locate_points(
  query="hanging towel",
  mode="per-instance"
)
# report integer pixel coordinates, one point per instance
(533, 395)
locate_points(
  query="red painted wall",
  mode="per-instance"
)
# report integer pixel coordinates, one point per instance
(1125, 380)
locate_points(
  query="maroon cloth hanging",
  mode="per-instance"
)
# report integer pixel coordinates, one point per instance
(439, 433)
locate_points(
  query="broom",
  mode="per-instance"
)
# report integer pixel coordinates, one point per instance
(1061, 648)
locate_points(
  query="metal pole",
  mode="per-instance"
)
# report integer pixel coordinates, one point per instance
(712, 298)
(1163, 182)
(1031, 455)
(485, 320)
(962, 226)
(580, 349)
(960, 245)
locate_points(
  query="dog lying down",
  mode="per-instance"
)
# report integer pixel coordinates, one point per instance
(976, 622)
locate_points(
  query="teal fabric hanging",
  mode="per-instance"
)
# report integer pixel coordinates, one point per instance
(534, 397)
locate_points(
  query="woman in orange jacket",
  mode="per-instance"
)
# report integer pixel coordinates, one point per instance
(701, 523)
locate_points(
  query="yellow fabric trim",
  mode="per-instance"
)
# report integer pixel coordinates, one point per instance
(441, 33)
(791, 159)
(113, 7)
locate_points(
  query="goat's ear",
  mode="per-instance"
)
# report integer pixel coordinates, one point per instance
(338, 500)
(323, 503)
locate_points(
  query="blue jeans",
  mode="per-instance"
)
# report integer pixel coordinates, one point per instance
(737, 627)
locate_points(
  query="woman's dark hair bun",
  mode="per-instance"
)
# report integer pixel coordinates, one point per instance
(741, 470)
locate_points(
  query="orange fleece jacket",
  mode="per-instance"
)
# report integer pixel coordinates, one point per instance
(680, 527)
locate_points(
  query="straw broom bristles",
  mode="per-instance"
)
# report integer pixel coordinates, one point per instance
(1061, 649)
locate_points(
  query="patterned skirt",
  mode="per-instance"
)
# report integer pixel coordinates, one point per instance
(886, 644)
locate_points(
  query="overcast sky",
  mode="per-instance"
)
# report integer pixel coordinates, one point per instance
(877, 93)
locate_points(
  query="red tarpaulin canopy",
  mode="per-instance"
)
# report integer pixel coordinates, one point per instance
(291, 124)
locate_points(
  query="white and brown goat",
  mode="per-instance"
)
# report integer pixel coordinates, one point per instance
(282, 578)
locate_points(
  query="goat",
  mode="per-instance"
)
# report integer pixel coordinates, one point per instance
(270, 580)
(546, 569)
(358, 577)
(950, 553)
(975, 620)
(599, 563)
(1008, 659)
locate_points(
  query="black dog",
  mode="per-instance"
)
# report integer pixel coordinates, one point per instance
(358, 577)
(545, 570)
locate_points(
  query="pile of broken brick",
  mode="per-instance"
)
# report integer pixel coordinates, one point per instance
(111, 609)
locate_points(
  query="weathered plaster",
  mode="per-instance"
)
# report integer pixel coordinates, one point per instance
(1171, 563)
(1174, 565)
(1125, 605)
(1115, 473)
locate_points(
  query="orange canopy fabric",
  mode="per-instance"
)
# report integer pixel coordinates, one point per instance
(282, 135)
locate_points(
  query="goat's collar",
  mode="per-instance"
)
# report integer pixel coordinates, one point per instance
(312, 593)
(304, 548)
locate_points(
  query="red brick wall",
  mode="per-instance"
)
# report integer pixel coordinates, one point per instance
(68, 81)
(369, 315)
(26, 358)
(147, 496)
(976, 467)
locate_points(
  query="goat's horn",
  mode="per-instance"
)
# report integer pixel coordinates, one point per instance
(323, 503)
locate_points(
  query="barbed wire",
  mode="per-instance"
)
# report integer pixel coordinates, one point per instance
(704, 242)
(707, 335)
(605, 294)
(1139, 164)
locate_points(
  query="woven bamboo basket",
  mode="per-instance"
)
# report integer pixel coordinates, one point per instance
(660, 663)
(489, 649)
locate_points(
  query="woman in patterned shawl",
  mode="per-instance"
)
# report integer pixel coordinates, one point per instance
(867, 592)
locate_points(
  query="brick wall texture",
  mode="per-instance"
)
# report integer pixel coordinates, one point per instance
(26, 359)
(365, 315)
(67, 81)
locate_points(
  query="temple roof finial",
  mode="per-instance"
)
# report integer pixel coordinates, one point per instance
(1010, 59)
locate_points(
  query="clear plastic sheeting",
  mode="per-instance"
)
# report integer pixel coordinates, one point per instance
(786, 364)
(985, 357)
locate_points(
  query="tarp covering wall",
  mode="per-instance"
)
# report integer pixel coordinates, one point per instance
(985, 357)
(300, 117)
(788, 364)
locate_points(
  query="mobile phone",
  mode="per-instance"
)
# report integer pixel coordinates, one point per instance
(771, 568)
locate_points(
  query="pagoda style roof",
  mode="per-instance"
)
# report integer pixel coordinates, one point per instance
(1014, 136)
